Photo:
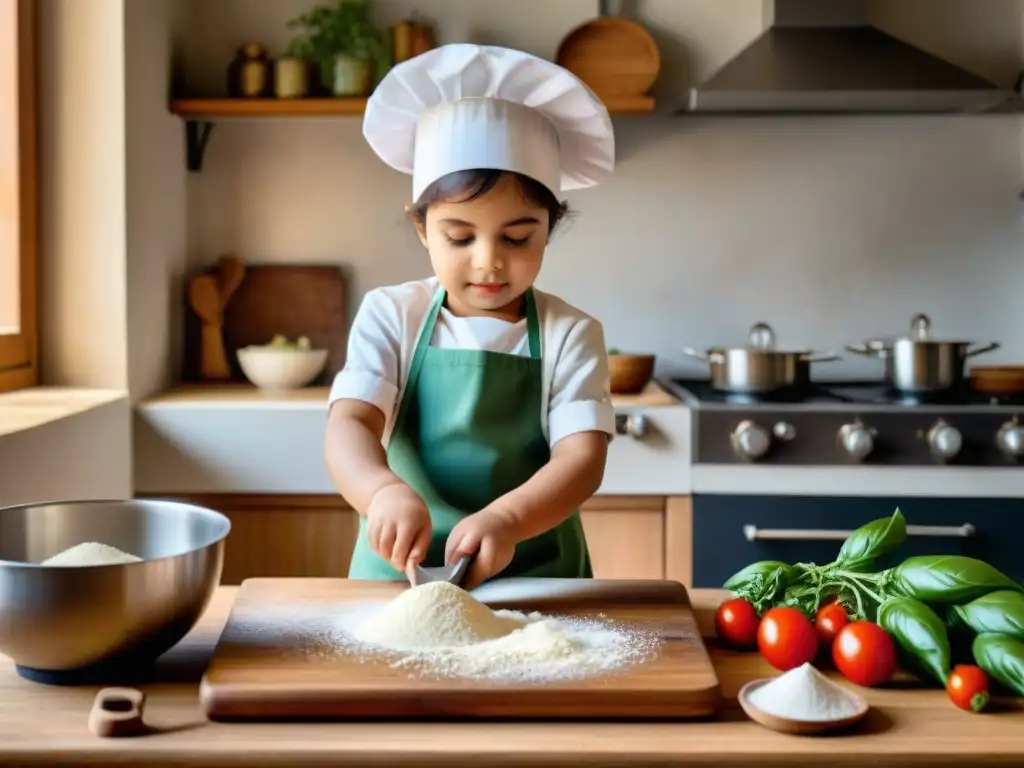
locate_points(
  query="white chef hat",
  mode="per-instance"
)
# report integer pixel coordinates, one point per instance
(462, 107)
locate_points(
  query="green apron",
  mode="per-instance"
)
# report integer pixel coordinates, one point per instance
(468, 431)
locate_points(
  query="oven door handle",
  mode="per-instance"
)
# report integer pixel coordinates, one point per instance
(753, 533)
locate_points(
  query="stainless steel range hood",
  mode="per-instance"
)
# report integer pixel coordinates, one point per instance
(822, 56)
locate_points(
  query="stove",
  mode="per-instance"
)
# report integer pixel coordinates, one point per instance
(850, 423)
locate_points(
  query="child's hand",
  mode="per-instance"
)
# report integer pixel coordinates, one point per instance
(398, 525)
(488, 534)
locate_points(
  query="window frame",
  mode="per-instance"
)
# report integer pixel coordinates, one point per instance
(19, 353)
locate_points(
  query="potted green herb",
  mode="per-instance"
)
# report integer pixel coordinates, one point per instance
(340, 39)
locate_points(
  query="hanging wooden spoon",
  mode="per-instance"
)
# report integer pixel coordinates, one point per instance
(230, 273)
(204, 296)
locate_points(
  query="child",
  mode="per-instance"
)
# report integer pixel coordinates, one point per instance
(491, 397)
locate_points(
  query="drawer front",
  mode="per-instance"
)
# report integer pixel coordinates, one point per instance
(654, 462)
(721, 547)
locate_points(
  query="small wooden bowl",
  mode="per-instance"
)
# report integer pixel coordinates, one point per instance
(998, 379)
(797, 727)
(630, 373)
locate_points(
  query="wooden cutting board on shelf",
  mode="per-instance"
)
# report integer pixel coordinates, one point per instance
(271, 662)
(289, 300)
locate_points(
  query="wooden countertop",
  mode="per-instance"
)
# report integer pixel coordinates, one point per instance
(41, 725)
(244, 395)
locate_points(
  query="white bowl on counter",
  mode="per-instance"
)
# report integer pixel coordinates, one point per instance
(278, 369)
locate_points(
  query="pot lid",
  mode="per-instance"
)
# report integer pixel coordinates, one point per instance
(920, 333)
(762, 339)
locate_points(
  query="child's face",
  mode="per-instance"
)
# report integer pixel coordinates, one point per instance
(488, 251)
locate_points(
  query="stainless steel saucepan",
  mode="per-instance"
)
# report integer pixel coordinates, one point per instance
(919, 364)
(759, 368)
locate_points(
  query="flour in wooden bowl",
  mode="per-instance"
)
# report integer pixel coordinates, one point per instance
(438, 629)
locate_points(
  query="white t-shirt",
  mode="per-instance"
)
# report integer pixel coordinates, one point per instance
(576, 393)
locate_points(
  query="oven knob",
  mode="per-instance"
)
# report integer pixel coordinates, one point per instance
(944, 440)
(784, 431)
(1010, 439)
(750, 441)
(857, 440)
(632, 424)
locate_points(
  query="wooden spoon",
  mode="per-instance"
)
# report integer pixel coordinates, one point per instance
(230, 273)
(117, 712)
(205, 298)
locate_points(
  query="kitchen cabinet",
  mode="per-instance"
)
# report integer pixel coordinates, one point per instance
(630, 537)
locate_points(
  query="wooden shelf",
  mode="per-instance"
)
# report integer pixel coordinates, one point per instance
(200, 109)
(199, 114)
(197, 109)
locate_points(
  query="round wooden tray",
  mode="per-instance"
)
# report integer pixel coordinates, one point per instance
(612, 55)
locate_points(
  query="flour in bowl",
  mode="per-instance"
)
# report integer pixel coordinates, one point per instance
(91, 553)
(438, 629)
(804, 694)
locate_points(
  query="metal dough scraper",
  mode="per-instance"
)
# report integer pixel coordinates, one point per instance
(453, 574)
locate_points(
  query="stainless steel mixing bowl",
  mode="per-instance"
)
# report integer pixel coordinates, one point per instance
(55, 618)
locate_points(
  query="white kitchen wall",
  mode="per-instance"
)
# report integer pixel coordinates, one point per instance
(829, 229)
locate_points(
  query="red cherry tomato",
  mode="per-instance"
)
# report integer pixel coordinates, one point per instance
(967, 687)
(736, 623)
(864, 653)
(786, 638)
(829, 620)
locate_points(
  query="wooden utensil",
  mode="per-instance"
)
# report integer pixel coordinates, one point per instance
(998, 379)
(269, 664)
(204, 296)
(230, 273)
(453, 574)
(797, 727)
(117, 712)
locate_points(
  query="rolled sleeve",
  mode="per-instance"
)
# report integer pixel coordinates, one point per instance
(580, 399)
(372, 362)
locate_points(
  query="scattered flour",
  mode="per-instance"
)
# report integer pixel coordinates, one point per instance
(804, 694)
(91, 553)
(438, 629)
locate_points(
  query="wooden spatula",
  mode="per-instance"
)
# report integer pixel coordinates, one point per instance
(453, 574)
(230, 273)
(204, 296)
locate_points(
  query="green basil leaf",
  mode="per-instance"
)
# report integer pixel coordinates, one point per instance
(765, 569)
(948, 578)
(919, 630)
(1001, 612)
(873, 540)
(1002, 658)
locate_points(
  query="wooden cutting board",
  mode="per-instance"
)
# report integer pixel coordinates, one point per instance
(270, 665)
(276, 299)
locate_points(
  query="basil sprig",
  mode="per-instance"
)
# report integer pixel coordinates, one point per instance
(1002, 658)
(919, 631)
(1001, 612)
(971, 594)
(948, 578)
(872, 541)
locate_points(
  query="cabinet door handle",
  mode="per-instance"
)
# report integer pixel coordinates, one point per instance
(753, 533)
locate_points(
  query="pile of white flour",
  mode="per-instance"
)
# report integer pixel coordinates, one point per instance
(91, 553)
(440, 629)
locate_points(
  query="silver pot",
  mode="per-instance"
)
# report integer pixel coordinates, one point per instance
(759, 368)
(919, 364)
